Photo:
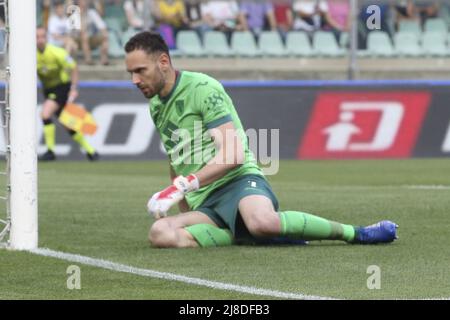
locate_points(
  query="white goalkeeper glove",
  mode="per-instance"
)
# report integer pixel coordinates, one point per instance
(162, 201)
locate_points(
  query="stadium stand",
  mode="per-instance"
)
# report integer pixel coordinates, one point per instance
(424, 37)
(436, 25)
(215, 44)
(407, 44)
(410, 26)
(297, 44)
(319, 43)
(325, 44)
(379, 44)
(271, 45)
(434, 44)
(189, 44)
(244, 44)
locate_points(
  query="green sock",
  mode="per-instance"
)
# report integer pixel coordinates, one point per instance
(209, 236)
(300, 225)
(49, 136)
(78, 137)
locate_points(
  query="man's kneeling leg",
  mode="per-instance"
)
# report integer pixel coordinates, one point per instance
(210, 236)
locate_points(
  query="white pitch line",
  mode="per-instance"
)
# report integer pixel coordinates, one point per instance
(374, 187)
(427, 187)
(109, 265)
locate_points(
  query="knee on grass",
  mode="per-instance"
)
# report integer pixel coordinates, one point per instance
(162, 235)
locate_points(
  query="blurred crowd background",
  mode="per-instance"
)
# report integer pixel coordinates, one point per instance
(311, 29)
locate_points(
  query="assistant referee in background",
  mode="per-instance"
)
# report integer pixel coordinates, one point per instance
(58, 73)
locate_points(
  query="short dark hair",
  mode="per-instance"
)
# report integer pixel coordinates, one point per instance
(150, 42)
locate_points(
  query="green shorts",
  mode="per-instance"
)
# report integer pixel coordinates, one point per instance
(222, 206)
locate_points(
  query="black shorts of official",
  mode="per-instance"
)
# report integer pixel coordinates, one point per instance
(59, 94)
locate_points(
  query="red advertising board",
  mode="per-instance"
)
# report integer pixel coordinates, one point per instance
(364, 125)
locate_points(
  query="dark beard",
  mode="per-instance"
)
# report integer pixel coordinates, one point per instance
(158, 86)
(161, 84)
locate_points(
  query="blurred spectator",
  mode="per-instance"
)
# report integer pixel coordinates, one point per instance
(222, 16)
(406, 10)
(93, 33)
(195, 16)
(46, 4)
(338, 16)
(171, 18)
(59, 33)
(99, 5)
(284, 18)
(257, 16)
(173, 13)
(134, 10)
(309, 14)
(427, 10)
(2, 17)
(139, 14)
(2, 33)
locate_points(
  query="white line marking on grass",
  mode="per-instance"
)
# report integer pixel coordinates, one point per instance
(171, 276)
(375, 187)
(427, 187)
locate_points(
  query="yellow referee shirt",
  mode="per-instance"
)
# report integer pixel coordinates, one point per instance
(54, 66)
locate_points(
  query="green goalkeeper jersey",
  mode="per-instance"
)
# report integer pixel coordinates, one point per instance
(197, 103)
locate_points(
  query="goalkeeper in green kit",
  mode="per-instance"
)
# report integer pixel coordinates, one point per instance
(216, 182)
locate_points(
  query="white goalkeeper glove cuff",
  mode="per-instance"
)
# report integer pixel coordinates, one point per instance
(187, 184)
(162, 201)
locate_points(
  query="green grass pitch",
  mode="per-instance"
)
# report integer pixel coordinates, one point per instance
(99, 210)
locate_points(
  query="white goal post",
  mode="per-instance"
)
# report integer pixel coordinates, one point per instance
(21, 102)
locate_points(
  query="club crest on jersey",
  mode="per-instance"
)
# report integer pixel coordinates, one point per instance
(179, 105)
(215, 100)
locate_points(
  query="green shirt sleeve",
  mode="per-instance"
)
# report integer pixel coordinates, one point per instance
(214, 105)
